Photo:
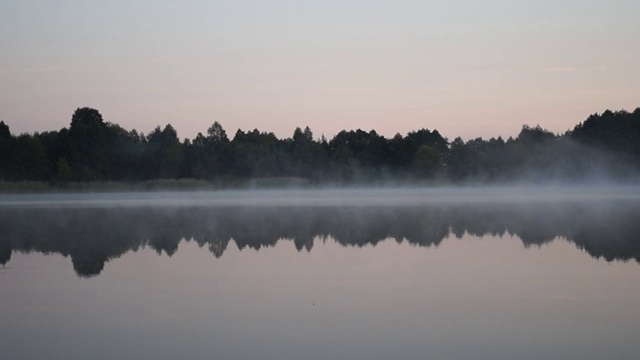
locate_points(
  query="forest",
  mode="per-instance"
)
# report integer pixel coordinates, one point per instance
(601, 148)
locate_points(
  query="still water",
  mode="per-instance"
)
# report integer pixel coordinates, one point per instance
(382, 274)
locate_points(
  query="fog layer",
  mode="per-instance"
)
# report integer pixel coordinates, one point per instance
(94, 228)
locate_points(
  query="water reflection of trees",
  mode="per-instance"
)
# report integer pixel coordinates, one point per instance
(91, 237)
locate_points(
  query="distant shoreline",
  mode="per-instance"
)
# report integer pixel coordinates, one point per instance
(283, 183)
(95, 155)
(151, 185)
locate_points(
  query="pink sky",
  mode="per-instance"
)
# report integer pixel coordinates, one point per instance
(463, 68)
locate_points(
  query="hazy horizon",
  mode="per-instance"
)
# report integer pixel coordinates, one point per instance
(464, 68)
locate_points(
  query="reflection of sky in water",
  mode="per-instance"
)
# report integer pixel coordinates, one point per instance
(414, 279)
(468, 298)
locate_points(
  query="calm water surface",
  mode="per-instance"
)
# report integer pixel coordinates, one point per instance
(406, 274)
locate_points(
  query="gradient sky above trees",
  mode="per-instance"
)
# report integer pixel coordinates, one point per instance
(467, 68)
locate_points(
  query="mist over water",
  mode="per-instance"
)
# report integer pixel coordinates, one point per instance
(351, 196)
(94, 228)
(451, 273)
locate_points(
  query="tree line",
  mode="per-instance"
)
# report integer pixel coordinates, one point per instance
(605, 145)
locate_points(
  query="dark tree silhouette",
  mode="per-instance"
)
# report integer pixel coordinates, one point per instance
(91, 149)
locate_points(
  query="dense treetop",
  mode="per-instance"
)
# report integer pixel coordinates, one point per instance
(604, 146)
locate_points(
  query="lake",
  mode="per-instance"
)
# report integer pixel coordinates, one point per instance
(469, 273)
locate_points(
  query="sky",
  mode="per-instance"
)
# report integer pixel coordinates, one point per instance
(467, 68)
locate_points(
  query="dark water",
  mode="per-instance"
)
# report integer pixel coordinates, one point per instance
(406, 274)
